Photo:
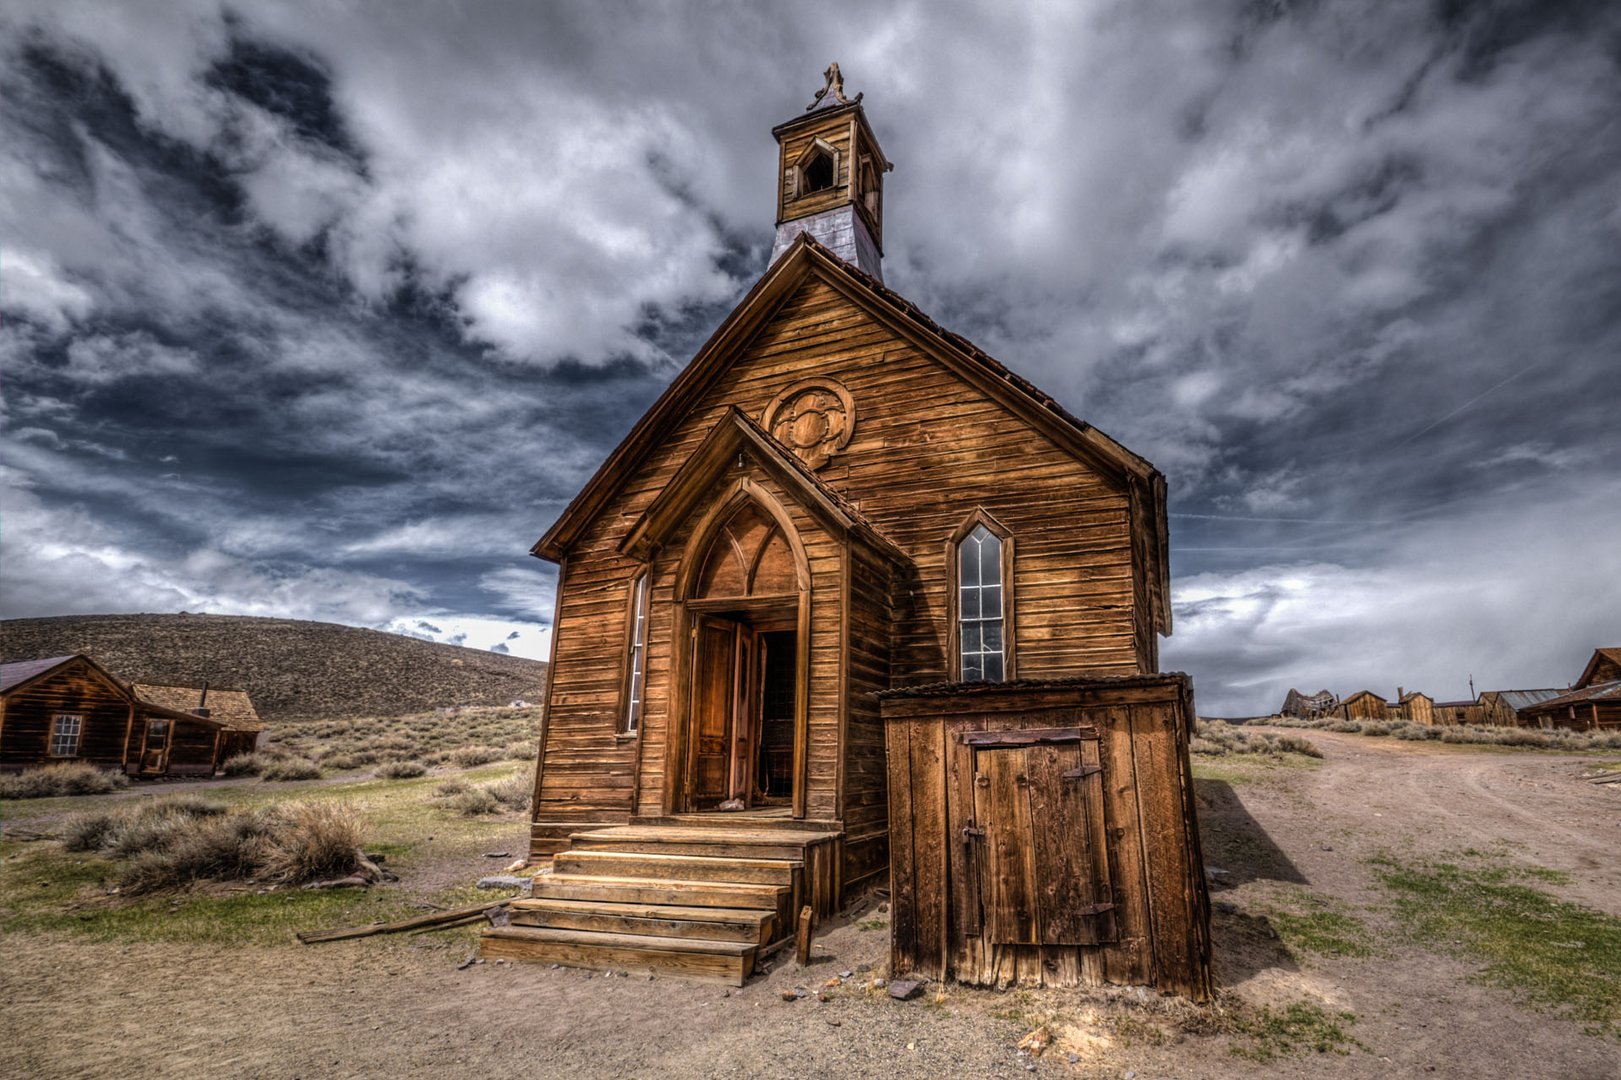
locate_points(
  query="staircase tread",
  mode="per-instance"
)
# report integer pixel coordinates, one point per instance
(681, 859)
(678, 834)
(623, 941)
(643, 911)
(608, 881)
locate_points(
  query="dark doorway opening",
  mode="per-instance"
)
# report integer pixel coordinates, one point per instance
(774, 772)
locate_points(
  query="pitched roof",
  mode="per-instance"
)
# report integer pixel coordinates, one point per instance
(1522, 699)
(226, 708)
(1598, 692)
(1613, 655)
(19, 673)
(733, 433)
(806, 258)
(1362, 693)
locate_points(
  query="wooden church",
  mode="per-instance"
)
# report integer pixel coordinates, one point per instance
(838, 498)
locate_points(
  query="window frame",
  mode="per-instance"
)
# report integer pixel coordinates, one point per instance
(633, 690)
(981, 517)
(815, 148)
(53, 733)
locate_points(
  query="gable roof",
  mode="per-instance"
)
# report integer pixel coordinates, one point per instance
(1362, 693)
(226, 708)
(19, 673)
(805, 259)
(1520, 699)
(736, 433)
(1613, 655)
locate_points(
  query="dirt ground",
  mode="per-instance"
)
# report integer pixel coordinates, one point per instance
(1273, 835)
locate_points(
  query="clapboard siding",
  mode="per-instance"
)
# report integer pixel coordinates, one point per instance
(927, 450)
(77, 688)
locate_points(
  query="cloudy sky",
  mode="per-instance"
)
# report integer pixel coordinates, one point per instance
(325, 310)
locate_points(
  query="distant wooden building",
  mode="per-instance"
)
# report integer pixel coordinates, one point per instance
(836, 497)
(1364, 705)
(188, 730)
(1509, 708)
(63, 708)
(1414, 706)
(1308, 706)
(1593, 703)
(1453, 713)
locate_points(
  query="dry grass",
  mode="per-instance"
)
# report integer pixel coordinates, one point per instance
(1217, 738)
(64, 778)
(463, 738)
(402, 770)
(470, 800)
(1468, 734)
(173, 842)
(291, 768)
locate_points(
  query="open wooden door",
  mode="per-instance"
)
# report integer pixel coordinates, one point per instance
(155, 746)
(724, 682)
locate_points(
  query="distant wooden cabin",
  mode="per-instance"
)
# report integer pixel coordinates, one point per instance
(836, 497)
(1364, 705)
(1414, 706)
(1509, 708)
(1453, 713)
(1594, 702)
(188, 730)
(60, 709)
(1308, 706)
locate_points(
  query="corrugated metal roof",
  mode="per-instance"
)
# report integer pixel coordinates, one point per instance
(1524, 699)
(20, 671)
(1604, 691)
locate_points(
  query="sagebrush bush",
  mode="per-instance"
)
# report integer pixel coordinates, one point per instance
(345, 762)
(250, 764)
(62, 778)
(1215, 737)
(312, 840)
(514, 792)
(526, 750)
(476, 801)
(452, 786)
(402, 770)
(291, 769)
(87, 832)
(173, 842)
(468, 756)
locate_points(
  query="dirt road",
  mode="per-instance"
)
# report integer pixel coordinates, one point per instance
(1278, 838)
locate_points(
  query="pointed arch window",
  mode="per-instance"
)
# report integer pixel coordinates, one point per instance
(630, 716)
(982, 601)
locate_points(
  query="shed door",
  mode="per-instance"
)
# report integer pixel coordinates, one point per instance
(1039, 810)
(155, 745)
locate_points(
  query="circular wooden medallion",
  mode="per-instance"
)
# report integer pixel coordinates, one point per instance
(814, 418)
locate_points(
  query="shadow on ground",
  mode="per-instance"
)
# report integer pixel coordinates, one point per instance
(1236, 851)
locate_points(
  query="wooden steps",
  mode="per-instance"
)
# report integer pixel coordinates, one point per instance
(729, 962)
(668, 897)
(655, 920)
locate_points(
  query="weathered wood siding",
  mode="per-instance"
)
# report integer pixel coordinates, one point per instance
(1153, 928)
(192, 748)
(1364, 706)
(78, 689)
(927, 450)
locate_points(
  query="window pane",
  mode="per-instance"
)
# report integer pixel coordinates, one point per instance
(993, 667)
(971, 670)
(971, 642)
(990, 603)
(993, 635)
(990, 558)
(970, 604)
(968, 562)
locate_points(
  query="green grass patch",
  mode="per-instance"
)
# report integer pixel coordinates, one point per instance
(1323, 931)
(872, 924)
(1267, 1033)
(1556, 955)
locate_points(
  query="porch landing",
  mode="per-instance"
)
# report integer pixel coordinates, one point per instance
(698, 899)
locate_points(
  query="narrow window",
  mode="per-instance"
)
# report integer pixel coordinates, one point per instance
(819, 173)
(980, 618)
(638, 655)
(65, 731)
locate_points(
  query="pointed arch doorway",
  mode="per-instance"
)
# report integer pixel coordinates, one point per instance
(745, 590)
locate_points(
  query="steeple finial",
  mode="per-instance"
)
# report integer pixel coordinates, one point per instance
(834, 83)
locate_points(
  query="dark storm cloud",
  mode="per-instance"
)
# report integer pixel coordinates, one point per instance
(314, 312)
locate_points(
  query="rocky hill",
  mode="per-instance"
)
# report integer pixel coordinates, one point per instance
(292, 669)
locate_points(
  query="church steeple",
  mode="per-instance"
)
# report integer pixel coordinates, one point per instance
(830, 178)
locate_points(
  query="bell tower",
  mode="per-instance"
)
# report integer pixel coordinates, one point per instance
(830, 178)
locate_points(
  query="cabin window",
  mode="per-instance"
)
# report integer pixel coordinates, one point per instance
(636, 674)
(981, 606)
(65, 731)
